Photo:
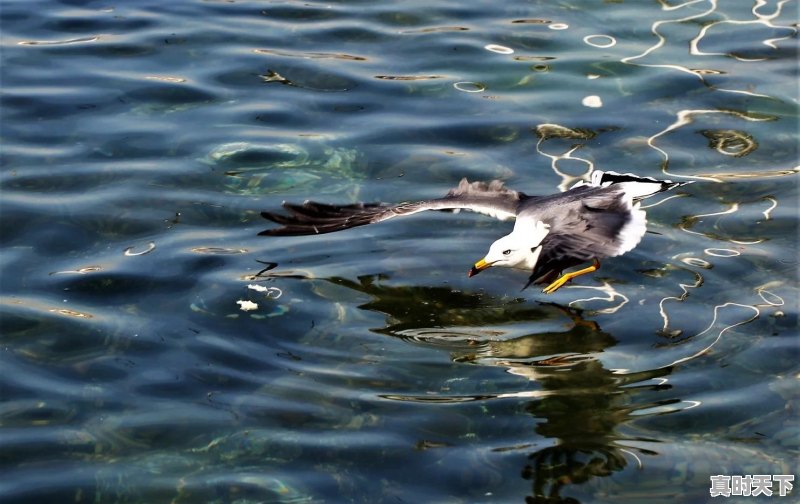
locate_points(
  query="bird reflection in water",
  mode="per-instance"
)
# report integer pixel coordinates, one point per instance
(577, 403)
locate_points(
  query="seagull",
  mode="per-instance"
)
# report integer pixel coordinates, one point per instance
(593, 220)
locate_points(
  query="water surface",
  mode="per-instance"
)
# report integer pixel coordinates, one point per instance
(140, 141)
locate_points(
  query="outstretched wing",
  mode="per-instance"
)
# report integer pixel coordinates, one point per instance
(310, 218)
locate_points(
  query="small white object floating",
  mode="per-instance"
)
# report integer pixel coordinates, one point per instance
(245, 305)
(592, 101)
(270, 292)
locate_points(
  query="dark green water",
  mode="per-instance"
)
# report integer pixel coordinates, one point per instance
(141, 139)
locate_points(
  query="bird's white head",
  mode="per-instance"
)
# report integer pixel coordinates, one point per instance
(519, 249)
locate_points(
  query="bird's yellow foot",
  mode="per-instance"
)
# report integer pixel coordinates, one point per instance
(560, 281)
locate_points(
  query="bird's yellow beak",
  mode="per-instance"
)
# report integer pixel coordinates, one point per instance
(479, 266)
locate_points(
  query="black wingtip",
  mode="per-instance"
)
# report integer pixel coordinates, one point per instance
(530, 282)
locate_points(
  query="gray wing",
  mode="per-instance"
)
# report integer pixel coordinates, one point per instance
(309, 218)
(587, 223)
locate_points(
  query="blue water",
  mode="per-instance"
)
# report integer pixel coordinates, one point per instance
(140, 141)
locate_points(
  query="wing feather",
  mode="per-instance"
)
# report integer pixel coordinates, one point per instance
(602, 223)
(311, 217)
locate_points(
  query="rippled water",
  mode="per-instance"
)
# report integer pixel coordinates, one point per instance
(141, 139)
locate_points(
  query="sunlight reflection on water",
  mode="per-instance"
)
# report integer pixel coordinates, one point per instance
(141, 141)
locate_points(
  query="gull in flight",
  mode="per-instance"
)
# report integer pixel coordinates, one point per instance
(591, 221)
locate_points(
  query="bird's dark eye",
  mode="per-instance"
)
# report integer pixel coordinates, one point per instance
(506, 252)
